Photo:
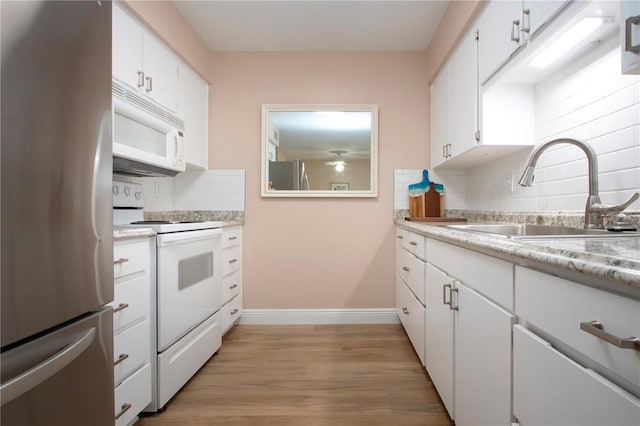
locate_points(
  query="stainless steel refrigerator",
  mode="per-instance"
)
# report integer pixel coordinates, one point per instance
(56, 359)
(288, 175)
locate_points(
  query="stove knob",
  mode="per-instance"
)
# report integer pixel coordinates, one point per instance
(127, 191)
(116, 189)
(138, 195)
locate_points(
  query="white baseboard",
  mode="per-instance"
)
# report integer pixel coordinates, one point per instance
(318, 316)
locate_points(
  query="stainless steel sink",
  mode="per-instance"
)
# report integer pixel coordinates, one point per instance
(530, 231)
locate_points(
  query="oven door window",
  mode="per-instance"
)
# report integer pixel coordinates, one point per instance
(189, 282)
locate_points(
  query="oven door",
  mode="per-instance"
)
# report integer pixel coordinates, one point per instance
(189, 281)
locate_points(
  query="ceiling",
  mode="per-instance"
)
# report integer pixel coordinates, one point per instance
(308, 25)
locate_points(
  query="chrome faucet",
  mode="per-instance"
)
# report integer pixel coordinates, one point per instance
(595, 211)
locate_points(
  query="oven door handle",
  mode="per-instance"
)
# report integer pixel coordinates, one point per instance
(188, 236)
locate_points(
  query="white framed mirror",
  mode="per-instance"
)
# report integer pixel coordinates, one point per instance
(319, 150)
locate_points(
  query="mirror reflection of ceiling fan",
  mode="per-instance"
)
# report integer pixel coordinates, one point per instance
(338, 162)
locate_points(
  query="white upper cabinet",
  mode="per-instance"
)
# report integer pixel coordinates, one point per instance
(630, 36)
(193, 108)
(142, 62)
(505, 26)
(499, 35)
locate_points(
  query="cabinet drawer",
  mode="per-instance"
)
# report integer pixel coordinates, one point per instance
(231, 237)
(231, 312)
(130, 257)
(231, 286)
(558, 306)
(131, 302)
(550, 389)
(134, 393)
(134, 346)
(412, 316)
(415, 244)
(231, 260)
(412, 271)
(491, 277)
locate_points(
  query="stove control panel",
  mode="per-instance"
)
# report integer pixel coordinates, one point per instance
(127, 194)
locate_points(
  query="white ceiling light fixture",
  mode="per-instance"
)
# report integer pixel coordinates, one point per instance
(570, 39)
(338, 163)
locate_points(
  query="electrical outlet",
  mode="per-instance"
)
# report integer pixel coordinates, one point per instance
(507, 183)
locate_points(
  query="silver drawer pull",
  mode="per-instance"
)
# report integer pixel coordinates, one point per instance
(120, 261)
(595, 328)
(123, 410)
(413, 243)
(120, 307)
(231, 287)
(233, 238)
(404, 268)
(444, 294)
(405, 311)
(121, 358)
(235, 311)
(399, 237)
(233, 260)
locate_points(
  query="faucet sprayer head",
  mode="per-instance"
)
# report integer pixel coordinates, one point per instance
(527, 176)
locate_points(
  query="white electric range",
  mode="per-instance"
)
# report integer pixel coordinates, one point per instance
(188, 291)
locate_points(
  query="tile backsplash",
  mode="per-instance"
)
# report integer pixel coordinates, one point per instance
(196, 190)
(589, 100)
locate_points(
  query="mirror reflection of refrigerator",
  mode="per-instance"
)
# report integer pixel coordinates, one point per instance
(288, 175)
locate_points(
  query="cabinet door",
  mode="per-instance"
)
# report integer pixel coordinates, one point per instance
(127, 47)
(495, 25)
(161, 65)
(439, 335)
(483, 361)
(193, 108)
(540, 11)
(550, 389)
(439, 117)
(463, 95)
(630, 60)
(411, 314)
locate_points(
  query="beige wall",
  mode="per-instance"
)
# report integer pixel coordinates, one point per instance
(164, 19)
(319, 253)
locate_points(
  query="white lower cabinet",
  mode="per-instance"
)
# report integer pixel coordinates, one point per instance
(551, 389)
(231, 277)
(412, 315)
(467, 334)
(132, 346)
(482, 346)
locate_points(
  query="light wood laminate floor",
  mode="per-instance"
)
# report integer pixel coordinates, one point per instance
(308, 375)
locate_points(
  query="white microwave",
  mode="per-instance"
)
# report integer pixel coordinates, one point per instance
(147, 140)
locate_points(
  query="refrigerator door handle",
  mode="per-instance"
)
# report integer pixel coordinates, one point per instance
(31, 378)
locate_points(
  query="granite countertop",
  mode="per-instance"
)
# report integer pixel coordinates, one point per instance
(612, 263)
(132, 233)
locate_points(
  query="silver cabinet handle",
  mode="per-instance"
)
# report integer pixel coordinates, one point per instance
(235, 311)
(120, 261)
(29, 379)
(444, 295)
(515, 31)
(405, 311)
(149, 87)
(140, 78)
(526, 20)
(231, 287)
(123, 410)
(628, 42)
(120, 307)
(595, 328)
(233, 260)
(444, 150)
(233, 238)
(406, 269)
(451, 307)
(400, 237)
(121, 358)
(413, 243)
